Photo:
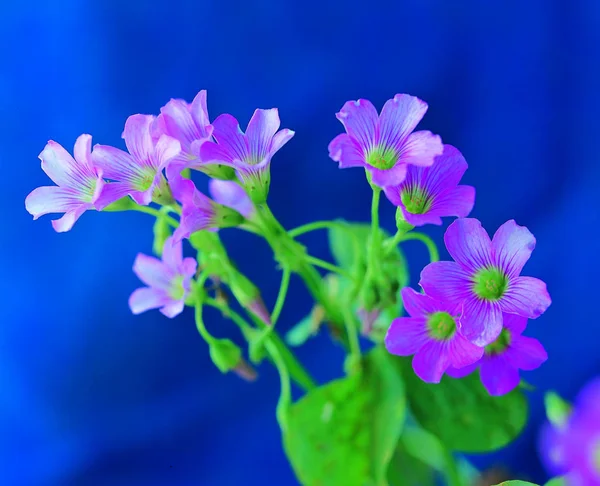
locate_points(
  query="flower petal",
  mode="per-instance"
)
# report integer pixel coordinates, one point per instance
(417, 304)
(498, 376)
(445, 281)
(344, 150)
(511, 247)
(200, 115)
(469, 244)
(172, 253)
(481, 322)
(399, 117)
(420, 148)
(360, 119)
(138, 137)
(231, 194)
(525, 353)
(463, 353)
(173, 308)
(406, 335)
(431, 361)
(514, 323)
(51, 199)
(458, 373)
(178, 122)
(445, 173)
(420, 219)
(146, 298)
(167, 148)
(68, 220)
(280, 139)
(527, 297)
(388, 177)
(189, 267)
(261, 128)
(210, 152)
(458, 201)
(83, 151)
(57, 163)
(116, 164)
(229, 136)
(152, 271)
(111, 192)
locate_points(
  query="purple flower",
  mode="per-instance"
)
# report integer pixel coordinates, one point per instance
(231, 194)
(573, 449)
(384, 144)
(169, 281)
(250, 153)
(139, 172)
(199, 212)
(78, 184)
(510, 352)
(431, 334)
(485, 278)
(429, 193)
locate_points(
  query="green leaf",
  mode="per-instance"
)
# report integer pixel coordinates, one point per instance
(406, 470)
(558, 481)
(516, 483)
(347, 242)
(462, 414)
(306, 328)
(424, 446)
(557, 409)
(345, 432)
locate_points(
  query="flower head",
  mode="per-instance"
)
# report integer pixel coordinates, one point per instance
(199, 212)
(503, 358)
(485, 277)
(231, 194)
(78, 183)
(429, 193)
(168, 281)
(138, 173)
(248, 153)
(384, 144)
(573, 449)
(430, 333)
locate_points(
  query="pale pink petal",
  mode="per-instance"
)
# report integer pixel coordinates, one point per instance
(116, 164)
(463, 353)
(111, 192)
(189, 267)
(406, 335)
(146, 298)
(173, 308)
(469, 244)
(344, 150)
(420, 148)
(211, 152)
(57, 163)
(527, 297)
(417, 304)
(399, 117)
(83, 150)
(525, 353)
(231, 194)
(172, 253)
(68, 220)
(200, 115)
(446, 281)
(498, 376)
(167, 148)
(138, 138)
(51, 199)
(178, 122)
(228, 134)
(431, 361)
(153, 272)
(512, 246)
(262, 127)
(481, 321)
(361, 120)
(280, 139)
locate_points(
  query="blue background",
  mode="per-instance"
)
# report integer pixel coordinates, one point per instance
(91, 395)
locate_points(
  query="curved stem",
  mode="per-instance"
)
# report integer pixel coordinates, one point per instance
(283, 288)
(156, 213)
(434, 255)
(394, 242)
(200, 323)
(285, 397)
(317, 225)
(352, 332)
(317, 262)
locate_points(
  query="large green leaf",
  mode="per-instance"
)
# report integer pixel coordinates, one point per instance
(462, 414)
(344, 433)
(516, 483)
(406, 470)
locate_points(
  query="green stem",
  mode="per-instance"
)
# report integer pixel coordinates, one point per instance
(200, 323)
(317, 225)
(317, 262)
(394, 242)
(374, 246)
(283, 288)
(156, 213)
(285, 397)
(434, 256)
(452, 472)
(352, 332)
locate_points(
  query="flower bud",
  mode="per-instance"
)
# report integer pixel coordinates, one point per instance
(225, 354)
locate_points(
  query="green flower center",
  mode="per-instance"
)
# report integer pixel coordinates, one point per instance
(177, 292)
(500, 345)
(415, 200)
(145, 180)
(441, 326)
(382, 158)
(490, 284)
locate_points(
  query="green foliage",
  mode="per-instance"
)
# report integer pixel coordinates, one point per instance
(224, 354)
(557, 409)
(345, 432)
(162, 231)
(516, 483)
(405, 470)
(558, 481)
(462, 414)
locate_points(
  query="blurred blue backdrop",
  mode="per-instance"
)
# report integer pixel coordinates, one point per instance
(91, 395)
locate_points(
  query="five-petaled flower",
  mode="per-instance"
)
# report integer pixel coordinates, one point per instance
(429, 193)
(510, 352)
(78, 184)
(248, 153)
(432, 334)
(485, 277)
(384, 144)
(138, 173)
(168, 280)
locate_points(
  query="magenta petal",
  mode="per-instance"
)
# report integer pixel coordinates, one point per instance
(110, 193)
(388, 177)
(481, 322)
(421, 148)
(70, 217)
(417, 304)
(421, 219)
(228, 134)
(189, 266)
(172, 253)
(212, 152)
(361, 120)
(445, 173)
(344, 150)
(262, 127)
(498, 376)
(399, 117)
(393, 194)
(406, 335)
(137, 135)
(178, 122)
(463, 353)
(280, 139)
(146, 298)
(199, 112)
(511, 247)
(431, 361)
(458, 373)
(173, 308)
(525, 353)
(446, 281)
(514, 323)
(231, 194)
(458, 201)
(469, 244)
(527, 297)
(152, 271)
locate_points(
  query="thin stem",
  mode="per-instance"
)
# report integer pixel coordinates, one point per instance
(434, 255)
(452, 472)
(285, 397)
(283, 288)
(234, 316)
(374, 246)
(317, 262)
(317, 225)
(394, 242)
(156, 213)
(200, 322)
(352, 332)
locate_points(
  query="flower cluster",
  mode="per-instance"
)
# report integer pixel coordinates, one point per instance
(475, 308)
